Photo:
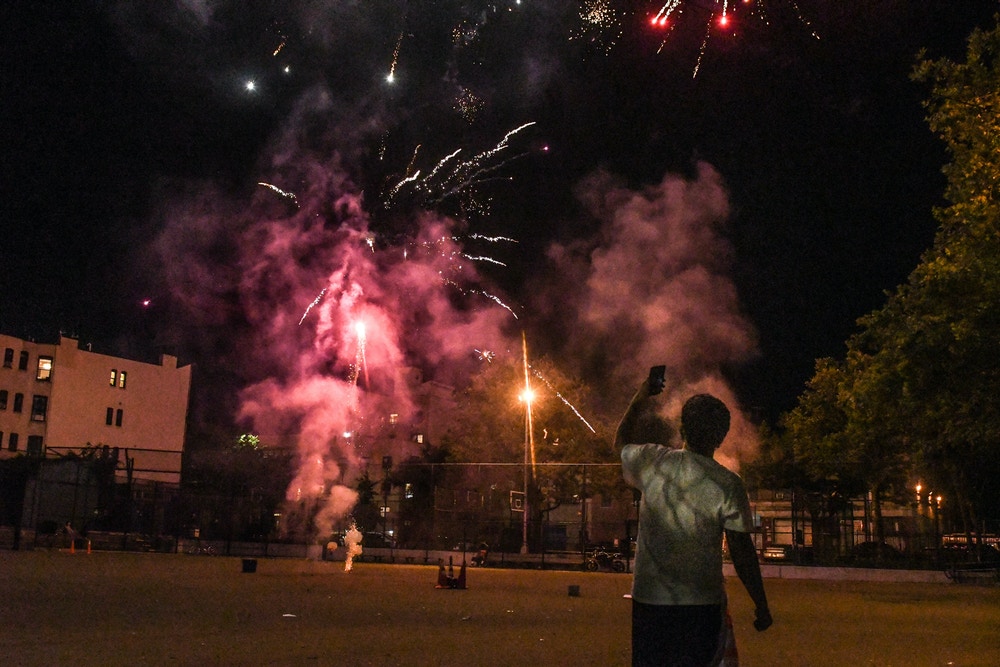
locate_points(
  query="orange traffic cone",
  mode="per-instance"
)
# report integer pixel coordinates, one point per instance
(88, 546)
(72, 546)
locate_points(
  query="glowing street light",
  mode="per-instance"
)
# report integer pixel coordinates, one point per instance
(527, 396)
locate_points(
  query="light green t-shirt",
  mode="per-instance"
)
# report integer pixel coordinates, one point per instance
(688, 500)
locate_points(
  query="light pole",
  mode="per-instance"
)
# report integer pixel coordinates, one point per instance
(527, 395)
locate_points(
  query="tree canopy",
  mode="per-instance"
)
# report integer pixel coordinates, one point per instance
(916, 396)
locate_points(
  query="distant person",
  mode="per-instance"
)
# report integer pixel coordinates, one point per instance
(688, 502)
(481, 554)
(72, 533)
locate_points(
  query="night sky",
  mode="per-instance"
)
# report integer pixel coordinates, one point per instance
(132, 152)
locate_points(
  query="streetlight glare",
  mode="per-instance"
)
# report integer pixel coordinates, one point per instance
(527, 396)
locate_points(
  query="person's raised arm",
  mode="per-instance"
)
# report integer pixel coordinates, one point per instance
(744, 556)
(627, 425)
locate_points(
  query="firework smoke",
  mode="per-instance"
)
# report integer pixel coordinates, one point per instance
(320, 367)
(244, 279)
(653, 288)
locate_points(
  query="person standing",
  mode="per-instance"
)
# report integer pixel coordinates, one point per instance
(689, 501)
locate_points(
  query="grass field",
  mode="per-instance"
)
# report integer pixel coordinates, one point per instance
(157, 609)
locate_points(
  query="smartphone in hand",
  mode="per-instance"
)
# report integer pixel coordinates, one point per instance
(657, 379)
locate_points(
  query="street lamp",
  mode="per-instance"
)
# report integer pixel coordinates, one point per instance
(527, 396)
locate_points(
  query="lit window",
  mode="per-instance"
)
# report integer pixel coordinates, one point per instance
(22, 363)
(121, 380)
(39, 406)
(408, 491)
(109, 416)
(114, 377)
(419, 438)
(118, 417)
(44, 368)
(393, 418)
(18, 402)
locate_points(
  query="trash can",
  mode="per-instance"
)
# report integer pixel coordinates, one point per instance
(249, 564)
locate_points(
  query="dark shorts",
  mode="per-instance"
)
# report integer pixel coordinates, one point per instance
(674, 635)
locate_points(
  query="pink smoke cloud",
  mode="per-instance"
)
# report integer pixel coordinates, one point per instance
(653, 287)
(332, 316)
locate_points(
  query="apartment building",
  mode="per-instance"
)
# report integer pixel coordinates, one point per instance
(57, 399)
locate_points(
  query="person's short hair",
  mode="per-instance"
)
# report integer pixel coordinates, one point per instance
(704, 422)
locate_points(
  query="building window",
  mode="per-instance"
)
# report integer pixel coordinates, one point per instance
(408, 491)
(418, 438)
(121, 380)
(109, 416)
(114, 377)
(22, 363)
(3, 399)
(35, 447)
(1, 438)
(12, 441)
(39, 406)
(8, 358)
(393, 418)
(118, 417)
(44, 369)
(18, 402)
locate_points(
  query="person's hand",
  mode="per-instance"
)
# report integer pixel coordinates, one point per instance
(762, 619)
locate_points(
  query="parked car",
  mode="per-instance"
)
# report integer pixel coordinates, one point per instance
(776, 552)
(786, 553)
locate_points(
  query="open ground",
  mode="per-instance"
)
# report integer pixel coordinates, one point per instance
(103, 608)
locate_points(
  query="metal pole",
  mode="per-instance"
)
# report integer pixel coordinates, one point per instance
(524, 509)
(527, 441)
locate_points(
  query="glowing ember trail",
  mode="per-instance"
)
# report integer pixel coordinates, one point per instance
(720, 17)
(395, 58)
(361, 363)
(455, 179)
(563, 399)
(289, 196)
(312, 305)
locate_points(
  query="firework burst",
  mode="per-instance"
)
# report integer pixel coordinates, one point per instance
(454, 179)
(600, 25)
(718, 16)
